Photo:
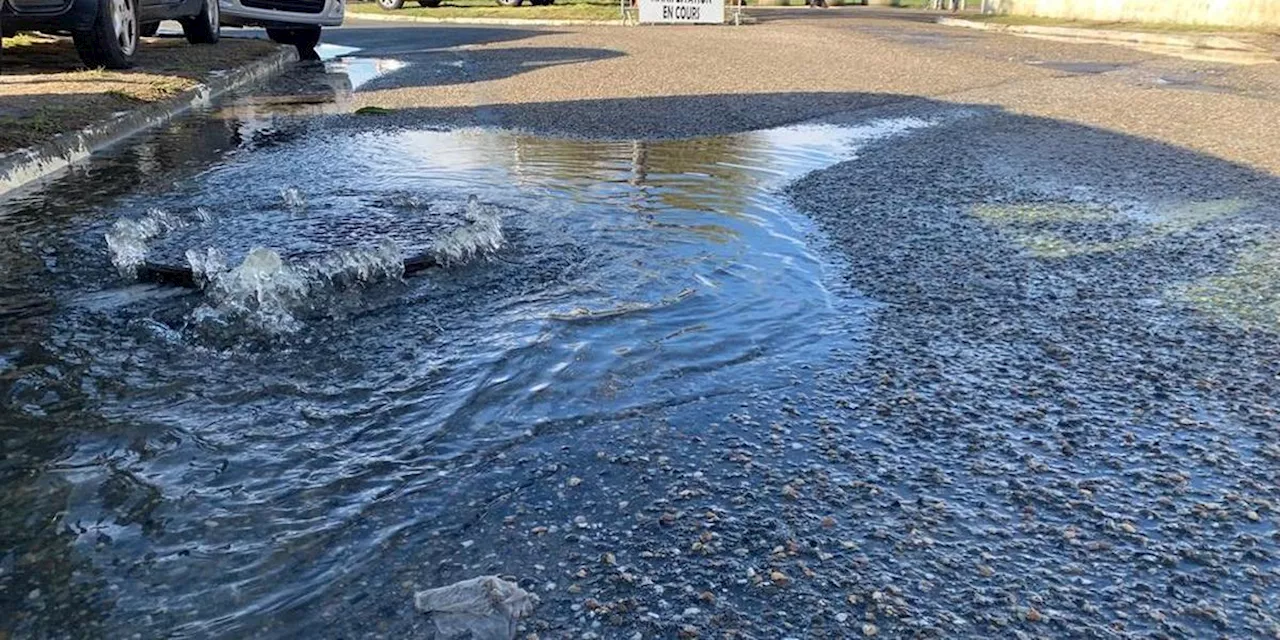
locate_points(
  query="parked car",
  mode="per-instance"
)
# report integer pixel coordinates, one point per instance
(106, 32)
(295, 22)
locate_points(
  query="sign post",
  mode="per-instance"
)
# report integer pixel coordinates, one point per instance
(681, 11)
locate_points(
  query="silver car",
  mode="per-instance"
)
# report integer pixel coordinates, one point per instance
(294, 22)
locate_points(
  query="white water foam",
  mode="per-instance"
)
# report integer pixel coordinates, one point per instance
(383, 261)
(479, 236)
(129, 240)
(207, 264)
(293, 198)
(263, 289)
(267, 290)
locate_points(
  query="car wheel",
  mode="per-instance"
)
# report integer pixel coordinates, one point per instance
(280, 36)
(429, 3)
(510, 3)
(305, 38)
(149, 29)
(203, 28)
(113, 38)
(390, 5)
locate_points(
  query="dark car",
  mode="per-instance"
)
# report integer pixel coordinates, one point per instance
(106, 32)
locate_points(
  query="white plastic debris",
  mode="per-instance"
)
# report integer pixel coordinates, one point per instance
(487, 607)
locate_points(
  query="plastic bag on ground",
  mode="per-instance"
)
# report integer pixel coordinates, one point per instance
(487, 607)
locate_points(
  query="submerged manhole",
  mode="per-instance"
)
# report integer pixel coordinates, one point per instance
(395, 236)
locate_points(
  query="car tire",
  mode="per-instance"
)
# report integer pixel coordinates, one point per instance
(280, 36)
(430, 4)
(305, 38)
(204, 27)
(390, 5)
(510, 3)
(113, 38)
(149, 29)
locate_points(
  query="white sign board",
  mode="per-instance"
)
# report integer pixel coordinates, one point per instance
(682, 11)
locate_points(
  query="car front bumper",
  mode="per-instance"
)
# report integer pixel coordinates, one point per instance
(49, 15)
(282, 13)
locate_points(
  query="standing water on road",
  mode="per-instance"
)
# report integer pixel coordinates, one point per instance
(208, 462)
(1028, 389)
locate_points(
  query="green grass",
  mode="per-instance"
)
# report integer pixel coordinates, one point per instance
(561, 10)
(1154, 27)
(43, 123)
(373, 111)
(27, 40)
(45, 89)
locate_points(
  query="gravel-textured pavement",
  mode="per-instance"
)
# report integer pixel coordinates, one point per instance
(573, 81)
(1065, 420)
(1058, 417)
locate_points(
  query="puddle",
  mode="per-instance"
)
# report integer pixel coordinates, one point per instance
(936, 40)
(212, 458)
(1222, 56)
(310, 88)
(1192, 83)
(1081, 68)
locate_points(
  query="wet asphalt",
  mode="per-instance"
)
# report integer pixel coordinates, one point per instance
(798, 64)
(1062, 422)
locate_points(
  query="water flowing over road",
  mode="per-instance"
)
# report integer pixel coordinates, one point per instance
(916, 368)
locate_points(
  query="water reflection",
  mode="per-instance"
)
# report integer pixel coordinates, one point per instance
(171, 468)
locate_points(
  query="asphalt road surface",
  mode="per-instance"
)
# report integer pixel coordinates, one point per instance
(842, 324)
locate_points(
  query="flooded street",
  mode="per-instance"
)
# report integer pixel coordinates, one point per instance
(920, 370)
(204, 439)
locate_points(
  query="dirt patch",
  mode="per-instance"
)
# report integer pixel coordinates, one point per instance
(45, 89)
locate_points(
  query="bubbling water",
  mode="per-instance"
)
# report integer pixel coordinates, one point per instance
(129, 240)
(293, 199)
(480, 236)
(268, 286)
(263, 287)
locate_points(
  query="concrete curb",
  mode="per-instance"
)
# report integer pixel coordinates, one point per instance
(375, 17)
(20, 167)
(1185, 41)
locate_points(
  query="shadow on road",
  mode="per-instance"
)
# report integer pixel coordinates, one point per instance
(432, 56)
(1060, 339)
(393, 40)
(654, 118)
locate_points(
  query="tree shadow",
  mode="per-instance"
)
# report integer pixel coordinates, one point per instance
(649, 117)
(986, 339)
(438, 68)
(394, 40)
